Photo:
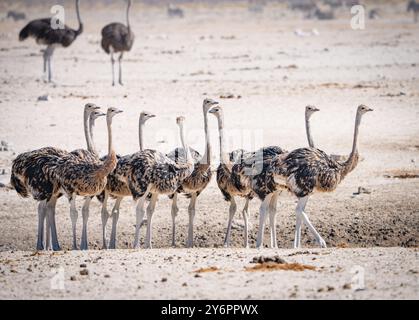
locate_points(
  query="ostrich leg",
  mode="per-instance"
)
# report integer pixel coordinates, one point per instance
(174, 212)
(272, 220)
(191, 210)
(246, 223)
(264, 207)
(232, 212)
(41, 222)
(115, 217)
(113, 68)
(73, 217)
(50, 50)
(150, 211)
(120, 68)
(104, 216)
(85, 214)
(139, 212)
(50, 208)
(45, 57)
(300, 211)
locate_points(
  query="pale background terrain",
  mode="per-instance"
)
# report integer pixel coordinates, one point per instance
(217, 50)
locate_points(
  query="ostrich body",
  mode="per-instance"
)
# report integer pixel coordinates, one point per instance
(44, 34)
(31, 175)
(85, 177)
(117, 186)
(117, 37)
(303, 172)
(413, 6)
(193, 185)
(154, 173)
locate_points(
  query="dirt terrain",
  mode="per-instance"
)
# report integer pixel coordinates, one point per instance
(264, 71)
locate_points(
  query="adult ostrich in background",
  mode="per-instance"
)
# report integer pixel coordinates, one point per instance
(305, 171)
(86, 177)
(413, 6)
(31, 175)
(117, 37)
(193, 185)
(154, 173)
(44, 34)
(117, 187)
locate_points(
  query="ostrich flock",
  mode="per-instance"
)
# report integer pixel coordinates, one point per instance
(48, 173)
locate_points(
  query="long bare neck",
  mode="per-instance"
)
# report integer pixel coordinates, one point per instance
(185, 145)
(110, 162)
(110, 142)
(206, 159)
(308, 131)
(224, 158)
(140, 134)
(352, 161)
(92, 140)
(80, 29)
(128, 9)
(86, 130)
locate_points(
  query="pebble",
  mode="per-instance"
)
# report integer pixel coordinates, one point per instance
(84, 272)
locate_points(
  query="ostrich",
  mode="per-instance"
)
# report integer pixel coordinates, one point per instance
(198, 180)
(117, 187)
(45, 34)
(413, 6)
(86, 177)
(303, 172)
(117, 37)
(174, 12)
(155, 173)
(31, 176)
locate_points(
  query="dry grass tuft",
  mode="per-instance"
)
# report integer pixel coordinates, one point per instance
(270, 266)
(209, 269)
(402, 174)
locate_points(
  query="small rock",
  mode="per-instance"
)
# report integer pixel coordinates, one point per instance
(330, 288)
(44, 98)
(83, 265)
(84, 272)
(107, 276)
(164, 280)
(347, 286)
(73, 278)
(184, 284)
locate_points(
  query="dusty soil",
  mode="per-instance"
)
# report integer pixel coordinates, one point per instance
(219, 51)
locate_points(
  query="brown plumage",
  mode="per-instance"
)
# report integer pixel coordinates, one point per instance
(117, 37)
(117, 187)
(304, 171)
(193, 185)
(155, 173)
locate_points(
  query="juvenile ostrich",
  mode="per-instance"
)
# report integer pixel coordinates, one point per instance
(44, 34)
(193, 185)
(86, 177)
(305, 171)
(413, 6)
(117, 37)
(155, 173)
(117, 187)
(31, 175)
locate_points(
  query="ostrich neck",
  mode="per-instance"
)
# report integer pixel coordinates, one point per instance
(185, 145)
(224, 158)
(207, 156)
(86, 131)
(128, 9)
(140, 134)
(80, 29)
(92, 141)
(110, 145)
(308, 132)
(352, 161)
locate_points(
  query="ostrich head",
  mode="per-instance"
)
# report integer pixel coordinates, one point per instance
(362, 109)
(145, 115)
(208, 103)
(180, 120)
(411, 5)
(96, 114)
(310, 110)
(91, 107)
(216, 111)
(111, 112)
